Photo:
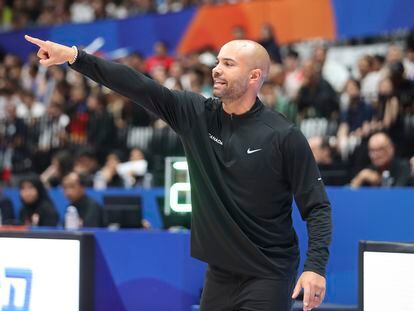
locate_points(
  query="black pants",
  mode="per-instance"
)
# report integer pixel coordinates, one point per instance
(228, 291)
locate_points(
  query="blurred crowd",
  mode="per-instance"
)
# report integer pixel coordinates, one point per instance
(58, 128)
(18, 14)
(359, 120)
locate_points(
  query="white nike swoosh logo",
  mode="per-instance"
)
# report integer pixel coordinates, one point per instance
(252, 151)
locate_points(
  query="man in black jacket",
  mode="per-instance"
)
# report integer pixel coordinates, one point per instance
(245, 163)
(90, 214)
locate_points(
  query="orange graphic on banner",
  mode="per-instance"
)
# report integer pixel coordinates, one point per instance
(292, 20)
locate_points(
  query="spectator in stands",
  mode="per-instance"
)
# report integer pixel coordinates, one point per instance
(37, 209)
(82, 11)
(160, 57)
(385, 170)
(386, 107)
(271, 97)
(29, 108)
(369, 78)
(6, 210)
(394, 54)
(108, 175)
(174, 81)
(101, 129)
(333, 171)
(89, 211)
(404, 91)
(78, 114)
(86, 164)
(332, 71)
(293, 74)
(61, 165)
(142, 7)
(379, 63)
(355, 120)
(134, 169)
(13, 137)
(52, 128)
(269, 41)
(137, 61)
(409, 63)
(316, 97)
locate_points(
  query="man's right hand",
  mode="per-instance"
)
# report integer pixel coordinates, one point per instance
(366, 176)
(51, 53)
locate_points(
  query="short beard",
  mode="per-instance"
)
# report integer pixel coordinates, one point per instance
(234, 93)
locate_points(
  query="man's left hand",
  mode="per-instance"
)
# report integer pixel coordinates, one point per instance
(314, 286)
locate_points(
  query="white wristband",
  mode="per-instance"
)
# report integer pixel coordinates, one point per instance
(75, 57)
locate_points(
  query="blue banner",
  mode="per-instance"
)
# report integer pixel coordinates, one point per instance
(137, 33)
(356, 18)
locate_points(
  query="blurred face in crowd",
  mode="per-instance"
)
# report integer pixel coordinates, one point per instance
(72, 187)
(159, 74)
(85, 164)
(319, 54)
(291, 63)
(28, 193)
(241, 65)
(364, 66)
(310, 70)
(352, 89)
(266, 32)
(277, 74)
(160, 49)
(136, 155)
(321, 153)
(77, 94)
(268, 94)
(54, 110)
(11, 110)
(28, 99)
(381, 150)
(410, 54)
(176, 70)
(137, 62)
(385, 88)
(112, 161)
(92, 103)
(394, 54)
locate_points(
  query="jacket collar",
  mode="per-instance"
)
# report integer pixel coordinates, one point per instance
(254, 111)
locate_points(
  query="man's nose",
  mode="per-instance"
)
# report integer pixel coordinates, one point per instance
(216, 71)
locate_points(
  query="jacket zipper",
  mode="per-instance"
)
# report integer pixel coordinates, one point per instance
(227, 155)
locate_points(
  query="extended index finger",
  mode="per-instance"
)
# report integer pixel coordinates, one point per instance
(38, 42)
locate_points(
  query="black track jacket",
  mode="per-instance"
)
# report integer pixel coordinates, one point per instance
(244, 171)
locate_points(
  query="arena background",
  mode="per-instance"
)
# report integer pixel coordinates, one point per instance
(53, 121)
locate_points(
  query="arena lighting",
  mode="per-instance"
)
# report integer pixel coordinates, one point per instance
(177, 185)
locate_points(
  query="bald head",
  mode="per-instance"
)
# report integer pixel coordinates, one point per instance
(381, 150)
(242, 67)
(380, 140)
(252, 53)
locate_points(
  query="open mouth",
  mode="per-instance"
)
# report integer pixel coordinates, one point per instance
(218, 83)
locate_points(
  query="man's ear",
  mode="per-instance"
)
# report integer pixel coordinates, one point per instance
(255, 75)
